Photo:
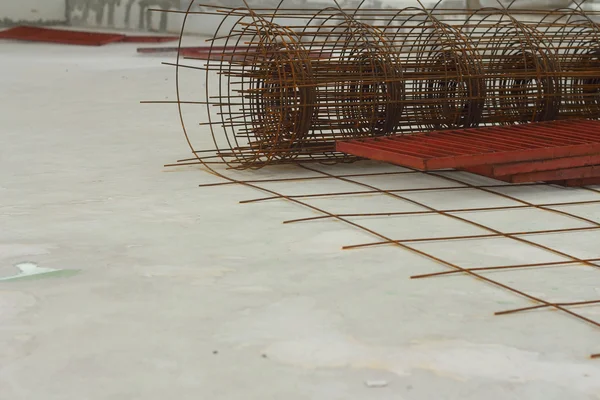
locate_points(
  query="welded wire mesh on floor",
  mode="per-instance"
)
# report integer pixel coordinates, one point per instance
(520, 239)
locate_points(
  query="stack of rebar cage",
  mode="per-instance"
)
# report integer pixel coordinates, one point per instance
(283, 85)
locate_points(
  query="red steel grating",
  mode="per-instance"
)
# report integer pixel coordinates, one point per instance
(487, 146)
(36, 34)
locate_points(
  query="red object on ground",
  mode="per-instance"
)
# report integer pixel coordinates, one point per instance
(565, 153)
(82, 38)
(482, 146)
(578, 182)
(498, 170)
(145, 50)
(36, 34)
(149, 39)
(592, 171)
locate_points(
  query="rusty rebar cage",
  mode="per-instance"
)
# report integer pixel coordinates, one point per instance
(283, 84)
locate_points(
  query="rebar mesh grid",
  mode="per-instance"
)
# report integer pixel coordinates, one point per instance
(453, 182)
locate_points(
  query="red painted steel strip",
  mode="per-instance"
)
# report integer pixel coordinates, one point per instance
(447, 138)
(67, 36)
(556, 135)
(517, 139)
(510, 156)
(555, 175)
(149, 39)
(439, 144)
(544, 165)
(378, 154)
(528, 136)
(459, 145)
(387, 147)
(563, 128)
(586, 128)
(421, 147)
(227, 48)
(578, 182)
(498, 139)
(451, 137)
(580, 129)
(167, 49)
(532, 136)
(483, 170)
(36, 34)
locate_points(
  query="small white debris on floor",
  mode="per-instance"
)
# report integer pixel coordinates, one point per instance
(29, 269)
(376, 384)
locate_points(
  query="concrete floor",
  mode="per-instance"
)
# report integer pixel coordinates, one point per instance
(166, 290)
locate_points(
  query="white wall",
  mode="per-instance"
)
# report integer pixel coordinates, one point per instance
(33, 10)
(127, 14)
(133, 14)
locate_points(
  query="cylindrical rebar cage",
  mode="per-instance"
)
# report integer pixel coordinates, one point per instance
(284, 84)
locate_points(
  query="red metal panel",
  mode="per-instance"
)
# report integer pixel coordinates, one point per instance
(145, 50)
(542, 176)
(486, 170)
(556, 175)
(578, 182)
(67, 36)
(363, 149)
(36, 34)
(482, 146)
(539, 165)
(149, 39)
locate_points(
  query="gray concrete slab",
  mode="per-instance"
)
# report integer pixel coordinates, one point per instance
(181, 292)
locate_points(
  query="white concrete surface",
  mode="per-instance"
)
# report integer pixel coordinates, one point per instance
(33, 10)
(185, 294)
